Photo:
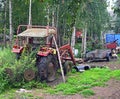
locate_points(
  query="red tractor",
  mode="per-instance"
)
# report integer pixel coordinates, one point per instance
(43, 37)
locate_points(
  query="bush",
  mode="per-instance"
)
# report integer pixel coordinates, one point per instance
(12, 70)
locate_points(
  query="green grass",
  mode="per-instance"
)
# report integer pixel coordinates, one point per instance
(76, 82)
(79, 82)
(12, 94)
(87, 92)
(6, 57)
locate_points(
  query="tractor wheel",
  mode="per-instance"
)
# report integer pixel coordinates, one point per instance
(10, 73)
(18, 56)
(67, 67)
(29, 74)
(47, 68)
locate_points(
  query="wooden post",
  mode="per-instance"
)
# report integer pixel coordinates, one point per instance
(58, 53)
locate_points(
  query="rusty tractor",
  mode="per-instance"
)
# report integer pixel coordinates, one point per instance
(47, 61)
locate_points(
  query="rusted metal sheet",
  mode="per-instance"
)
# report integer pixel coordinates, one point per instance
(37, 32)
(98, 54)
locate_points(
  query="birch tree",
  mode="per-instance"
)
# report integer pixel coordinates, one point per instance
(30, 14)
(5, 18)
(10, 20)
(117, 20)
(73, 39)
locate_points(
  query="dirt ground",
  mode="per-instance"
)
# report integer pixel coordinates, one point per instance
(111, 91)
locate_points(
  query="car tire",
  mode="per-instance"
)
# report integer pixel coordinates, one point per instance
(108, 58)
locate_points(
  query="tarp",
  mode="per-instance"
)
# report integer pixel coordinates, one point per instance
(110, 38)
(37, 32)
(113, 37)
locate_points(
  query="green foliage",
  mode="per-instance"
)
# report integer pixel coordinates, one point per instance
(78, 46)
(92, 15)
(71, 13)
(17, 67)
(76, 83)
(92, 45)
(116, 9)
(80, 83)
(34, 84)
(6, 57)
(3, 81)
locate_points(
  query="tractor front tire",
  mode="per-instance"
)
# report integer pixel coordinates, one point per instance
(29, 74)
(67, 67)
(18, 56)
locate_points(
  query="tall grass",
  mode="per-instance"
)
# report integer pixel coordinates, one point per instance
(7, 58)
(15, 77)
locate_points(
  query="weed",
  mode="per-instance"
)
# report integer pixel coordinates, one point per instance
(87, 92)
(34, 84)
(115, 74)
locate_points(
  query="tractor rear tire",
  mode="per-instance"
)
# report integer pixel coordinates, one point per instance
(9, 73)
(49, 63)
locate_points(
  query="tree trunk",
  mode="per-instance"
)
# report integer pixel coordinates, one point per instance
(53, 18)
(73, 39)
(10, 20)
(102, 39)
(5, 13)
(84, 44)
(48, 14)
(30, 16)
(57, 25)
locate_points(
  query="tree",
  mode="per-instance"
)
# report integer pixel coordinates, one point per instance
(3, 12)
(5, 17)
(10, 20)
(117, 12)
(88, 15)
